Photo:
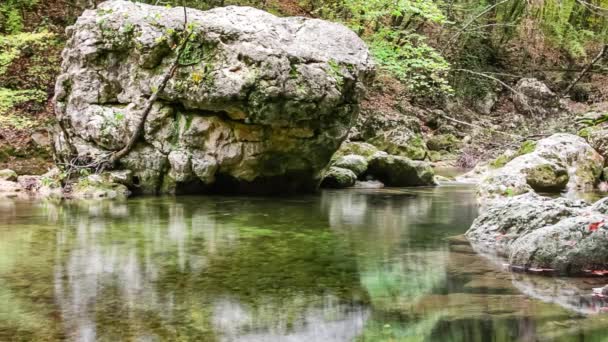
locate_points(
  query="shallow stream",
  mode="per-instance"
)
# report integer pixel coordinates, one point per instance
(349, 265)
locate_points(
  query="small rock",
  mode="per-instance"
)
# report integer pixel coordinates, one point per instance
(442, 179)
(124, 177)
(41, 139)
(559, 162)
(369, 184)
(8, 175)
(9, 188)
(338, 178)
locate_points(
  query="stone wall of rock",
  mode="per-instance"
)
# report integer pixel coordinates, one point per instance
(258, 104)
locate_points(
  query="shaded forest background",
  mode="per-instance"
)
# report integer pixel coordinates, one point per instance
(445, 67)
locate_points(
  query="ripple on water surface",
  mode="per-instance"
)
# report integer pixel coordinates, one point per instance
(360, 265)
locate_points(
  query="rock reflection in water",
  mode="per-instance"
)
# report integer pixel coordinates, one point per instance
(361, 265)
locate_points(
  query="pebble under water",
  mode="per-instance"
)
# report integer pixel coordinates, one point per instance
(350, 265)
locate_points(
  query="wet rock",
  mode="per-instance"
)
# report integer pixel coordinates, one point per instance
(400, 171)
(570, 246)
(338, 178)
(124, 177)
(533, 97)
(369, 184)
(8, 175)
(600, 206)
(44, 186)
(10, 188)
(534, 232)
(260, 100)
(355, 163)
(99, 186)
(504, 221)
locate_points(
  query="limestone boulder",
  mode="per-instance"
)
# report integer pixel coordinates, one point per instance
(258, 103)
(339, 178)
(400, 171)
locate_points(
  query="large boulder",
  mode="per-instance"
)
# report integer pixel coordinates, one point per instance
(559, 162)
(571, 246)
(400, 171)
(258, 103)
(598, 139)
(534, 232)
(391, 132)
(533, 97)
(504, 221)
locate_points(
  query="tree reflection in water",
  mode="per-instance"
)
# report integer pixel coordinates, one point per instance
(347, 265)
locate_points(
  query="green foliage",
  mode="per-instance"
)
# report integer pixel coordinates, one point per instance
(11, 20)
(392, 32)
(11, 46)
(416, 64)
(572, 26)
(528, 146)
(11, 98)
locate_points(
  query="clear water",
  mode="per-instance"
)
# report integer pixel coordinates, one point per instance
(356, 265)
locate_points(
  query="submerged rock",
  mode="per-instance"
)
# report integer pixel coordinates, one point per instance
(534, 232)
(258, 104)
(339, 178)
(400, 171)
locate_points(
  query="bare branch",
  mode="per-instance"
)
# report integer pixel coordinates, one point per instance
(586, 69)
(485, 75)
(472, 20)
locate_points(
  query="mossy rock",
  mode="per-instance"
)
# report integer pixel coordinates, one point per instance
(400, 171)
(526, 147)
(356, 147)
(353, 162)
(402, 144)
(434, 156)
(547, 177)
(338, 178)
(442, 142)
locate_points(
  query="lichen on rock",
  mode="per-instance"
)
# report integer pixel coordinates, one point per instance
(258, 103)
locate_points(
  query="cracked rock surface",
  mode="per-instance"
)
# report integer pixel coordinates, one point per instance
(258, 104)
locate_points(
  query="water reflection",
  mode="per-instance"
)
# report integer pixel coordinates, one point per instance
(361, 265)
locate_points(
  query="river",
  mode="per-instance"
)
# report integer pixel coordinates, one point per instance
(349, 265)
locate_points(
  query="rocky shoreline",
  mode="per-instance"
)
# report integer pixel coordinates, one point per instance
(519, 223)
